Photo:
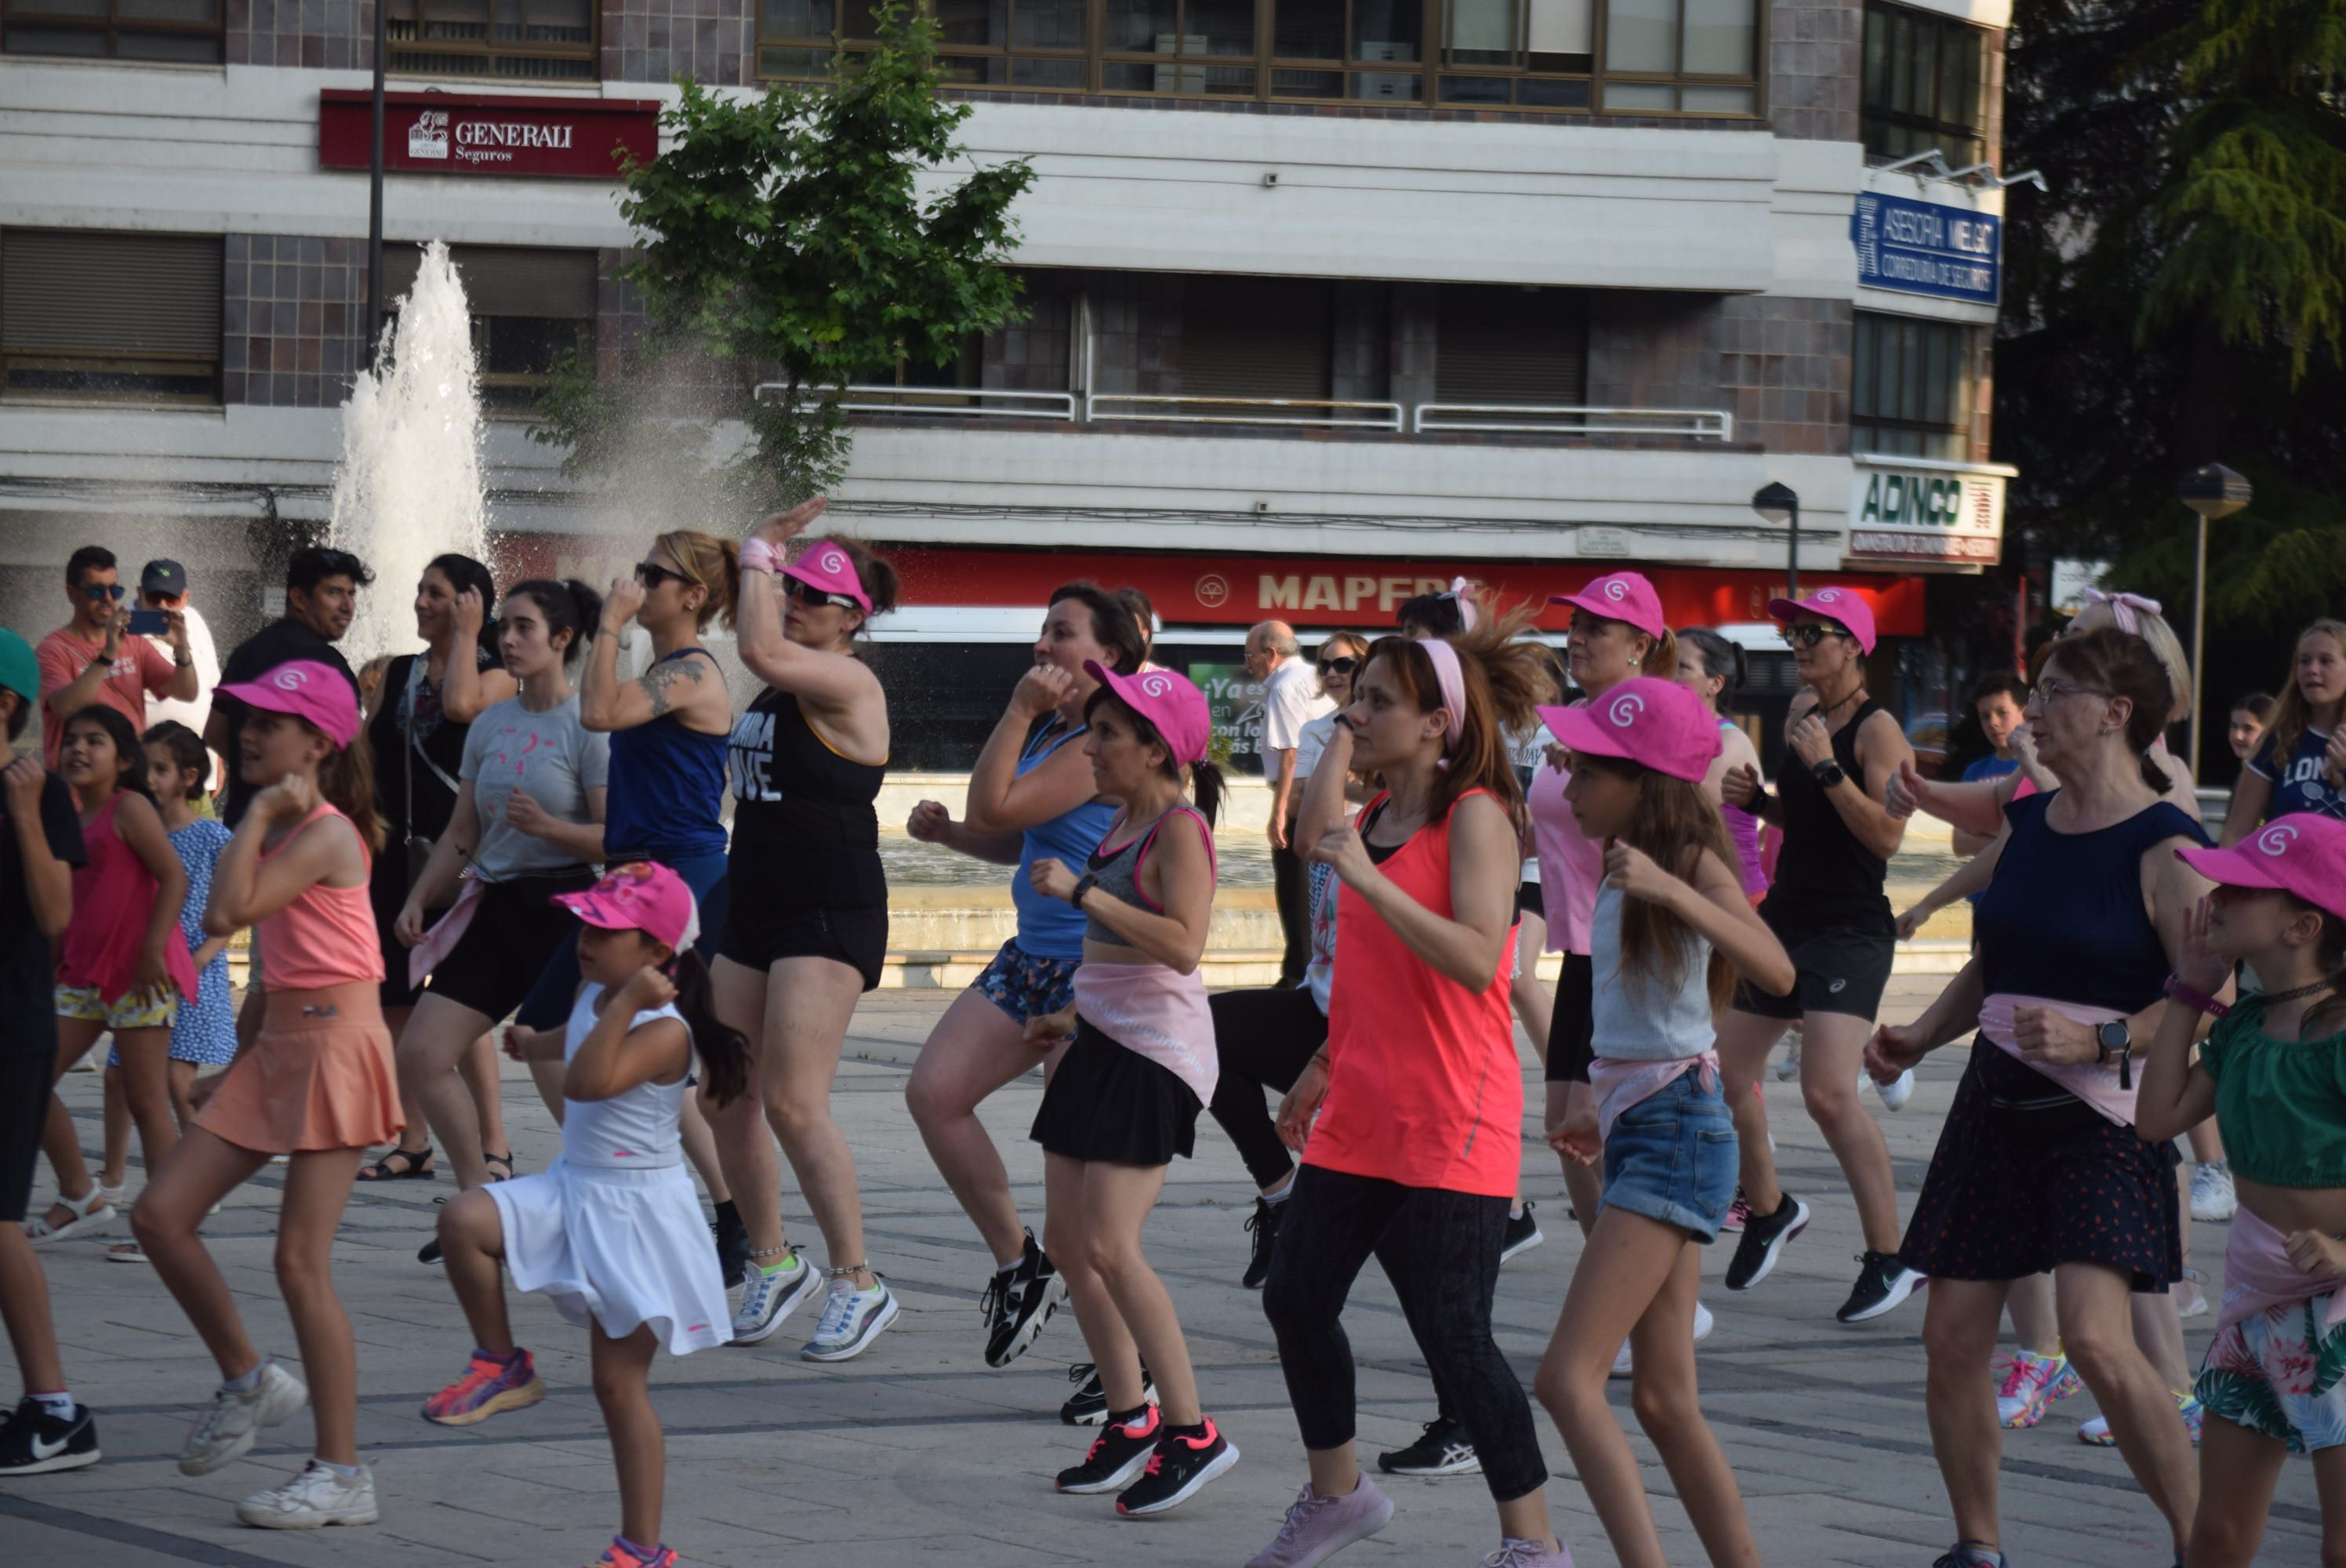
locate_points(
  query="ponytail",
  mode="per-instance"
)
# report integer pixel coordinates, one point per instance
(724, 1052)
(346, 782)
(712, 564)
(1206, 783)
(568, 606)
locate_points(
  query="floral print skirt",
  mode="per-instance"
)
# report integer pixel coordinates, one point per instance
(2280, 1373)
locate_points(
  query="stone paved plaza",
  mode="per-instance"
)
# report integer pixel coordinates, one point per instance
(917, 1453)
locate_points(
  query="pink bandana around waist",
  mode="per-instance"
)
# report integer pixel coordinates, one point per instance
(441, 939)
(1622, 1082)
(1149, 1009)
(2258, 1276)
(2095, 1083)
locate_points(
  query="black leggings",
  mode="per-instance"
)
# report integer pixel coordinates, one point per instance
(1264, 1038)
(1440, 1250)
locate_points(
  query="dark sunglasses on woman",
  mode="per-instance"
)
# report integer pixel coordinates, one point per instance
(1338, 666)
(1810, 635)
(651, 574)
(807, 594)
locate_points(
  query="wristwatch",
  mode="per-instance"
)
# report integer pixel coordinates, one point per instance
(1084, 884)
(2115, 1039)
(1829, 773)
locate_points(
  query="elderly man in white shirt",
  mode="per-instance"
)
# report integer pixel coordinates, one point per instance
(1291, 700)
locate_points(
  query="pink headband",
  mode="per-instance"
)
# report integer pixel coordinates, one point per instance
(2124, 608)
(1454, 691)
(1463, 591)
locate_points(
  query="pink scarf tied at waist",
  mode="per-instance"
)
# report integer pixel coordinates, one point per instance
(2095, 1083)
(2258, 1276)
(1156, 1013)
(1622, 1082)
(441, 939)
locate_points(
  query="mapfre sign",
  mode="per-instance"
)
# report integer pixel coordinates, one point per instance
(456, 133)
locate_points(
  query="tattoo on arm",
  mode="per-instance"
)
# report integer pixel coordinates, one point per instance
(657, 681)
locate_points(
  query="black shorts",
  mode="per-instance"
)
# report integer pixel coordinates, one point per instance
(760, 934)
(1572, 1027)
(515, 930)
(1843, 962)
(1528, 901)
(1108, 1104)
(28, 1070)
(387, 891)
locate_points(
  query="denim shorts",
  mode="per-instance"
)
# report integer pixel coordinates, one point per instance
(1025, 986)
(1671, 1157)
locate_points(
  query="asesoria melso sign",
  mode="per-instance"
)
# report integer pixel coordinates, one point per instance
(1926, 247)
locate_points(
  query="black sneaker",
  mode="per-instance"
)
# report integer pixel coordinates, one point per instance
(1523, 1234)
(1764, 1235)
(1265, 1225)
(1116, 1456)
(429, 1252)
(34, 1442)
(1087, 1406)
(1964, 1554)
(731, 1238)
(1443, 1448)
(1178, 1470)
(1882, 1283)
(1018, 1302)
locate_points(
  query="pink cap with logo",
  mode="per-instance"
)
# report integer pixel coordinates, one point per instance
(1845, 608)
(824, 566)
(639, 895)
(1654, 723)
(308, 690)
(1624, 596)
(1176, 709)
(2301, 853)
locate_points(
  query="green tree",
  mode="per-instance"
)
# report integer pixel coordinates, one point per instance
(785, 239)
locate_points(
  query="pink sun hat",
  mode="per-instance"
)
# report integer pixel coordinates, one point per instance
(639, 895)
(824, 566)
(1845, 608)
(1624, 596)
(1176, 709)
(2301, 853)
(1654, 723)
(308, 690)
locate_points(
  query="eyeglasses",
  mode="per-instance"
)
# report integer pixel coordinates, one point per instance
(1338, 666)
(1810, 635)
(807, 593)
(101, 591)
(651, 574)
(2049, 690)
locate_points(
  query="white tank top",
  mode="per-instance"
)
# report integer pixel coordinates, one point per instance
(633, 1131)
(1653, 1022)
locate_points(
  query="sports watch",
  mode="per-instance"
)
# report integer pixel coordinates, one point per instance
(1829, 773)
(2115, 1039)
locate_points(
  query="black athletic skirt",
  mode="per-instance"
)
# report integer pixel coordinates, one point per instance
(1110, 1103)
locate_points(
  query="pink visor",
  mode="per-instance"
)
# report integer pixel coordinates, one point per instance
(1654, 723)
(2301, 853)
(1173, 707)
(1624, 596)
(824, 564)
(639, 895)
(308, 690)
(1845, 608)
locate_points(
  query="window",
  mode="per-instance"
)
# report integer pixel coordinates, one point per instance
(177, 30)
(530, 309)
(1248, 338)
(1911, 387)
(1923, 86)
(111, 318)
(1493, 345)
(546, 39)
(1687, 56)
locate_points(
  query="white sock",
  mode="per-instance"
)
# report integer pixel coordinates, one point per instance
(345, 1472)
(247, 1383)
(58, 1406)
(1516, 1211)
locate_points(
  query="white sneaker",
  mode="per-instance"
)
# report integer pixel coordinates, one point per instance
(851, 1321)
(229, 1426)
(1789, 1069)
(2212, 1198)
(1894, 1095)
(1621, 1367)
(315, 1497)
(1703, 1324)
(769, 1300)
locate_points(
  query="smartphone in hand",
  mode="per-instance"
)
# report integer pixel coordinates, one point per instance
(149, 624)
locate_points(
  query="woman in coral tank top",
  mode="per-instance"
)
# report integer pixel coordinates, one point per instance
(1418, 1097)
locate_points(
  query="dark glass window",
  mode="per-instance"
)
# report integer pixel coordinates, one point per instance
(1911, 387)
(1924, 85)
(180, 31)
(546, 39)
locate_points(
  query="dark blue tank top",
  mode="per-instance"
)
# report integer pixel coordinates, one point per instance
(666, 789)
(1049, 927)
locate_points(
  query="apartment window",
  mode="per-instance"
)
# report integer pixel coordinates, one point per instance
(177, 30)
(1911, 389)
(1494, 345)
(531, 309)
(544, 39)
(1249, 337)
(111, 318)
(1923, 86)
(1681, 56)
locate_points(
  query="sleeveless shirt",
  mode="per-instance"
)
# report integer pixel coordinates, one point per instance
(667, 787)
(1658, 1021)
(1571, 863)
(114, 897)
(634, 1130)
(806, 832)
(326, 936)
(1049, 927)
(1117, 872)
(1743, 828)
(2063, 917)
(1824, 868)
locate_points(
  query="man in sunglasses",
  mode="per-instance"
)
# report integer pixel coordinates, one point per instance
(95, 658)
(322, 597)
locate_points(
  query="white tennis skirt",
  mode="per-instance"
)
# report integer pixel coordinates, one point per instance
(618, 1248)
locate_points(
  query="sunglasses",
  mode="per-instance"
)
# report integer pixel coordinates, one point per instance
(101, 591)
(651, 574)
(1810, 635)
(1338, 666)
(806, 594)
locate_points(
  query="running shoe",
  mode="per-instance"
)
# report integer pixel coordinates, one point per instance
(1764, 1239)
(1316, 1528)
(619, 1554)
(487, 1386)
(232, 1423)
(429, 1252)
(2191, 1294)
(34, 1442)
(1623, 1363)
(1737, 1212)
(1971, 1554)
(316, 1497)
(2212, 1198)
(769, 1297)
(1265, 1225)
(2032, 1383)
(2096, 1433)
(1523, 1234)
(1882, 1283)
(1515, 1553)
(851, 1321)
(1178, 1471)
(1441, 1449)
(1116, 1456)
(1018, 1302)
(1087, 1406)
(1897, 1092)
(1788, 1071)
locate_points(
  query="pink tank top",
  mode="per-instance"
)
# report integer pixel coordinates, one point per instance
(1570, 865)
(326, 936)
(112, 901)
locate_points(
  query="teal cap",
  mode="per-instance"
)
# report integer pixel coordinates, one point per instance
(19, 671)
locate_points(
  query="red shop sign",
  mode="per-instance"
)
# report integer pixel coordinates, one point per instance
(466, 133)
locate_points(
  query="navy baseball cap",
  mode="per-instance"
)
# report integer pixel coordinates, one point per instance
(163, 577)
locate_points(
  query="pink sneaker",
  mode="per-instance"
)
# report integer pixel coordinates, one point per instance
(1317, 1528)
(2028, 1388)
(487, 1386)
(619, 1556)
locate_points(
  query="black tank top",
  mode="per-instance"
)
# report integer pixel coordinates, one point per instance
(806, 834)
(1824, 870)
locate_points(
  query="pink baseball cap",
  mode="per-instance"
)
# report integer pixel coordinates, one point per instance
(308, 690)
(1845, 608)
(639, 895)
(1176, 709)
(2301, 853)
(1654, 723)
(1624, 596)
(824, 564)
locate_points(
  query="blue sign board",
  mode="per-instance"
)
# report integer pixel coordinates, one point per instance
(1926, 247)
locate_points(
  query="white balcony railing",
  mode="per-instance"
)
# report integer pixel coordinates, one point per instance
(1301, 414)
(1557, 419)
(992, 403)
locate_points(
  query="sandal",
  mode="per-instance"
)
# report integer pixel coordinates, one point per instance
(504, 1159)
(42, 1232)
(417, 1168)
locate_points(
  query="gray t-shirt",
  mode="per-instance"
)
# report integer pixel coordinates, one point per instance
(552, 757)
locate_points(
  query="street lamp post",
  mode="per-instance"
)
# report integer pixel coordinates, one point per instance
(1777, 504)
(2212, 492)
(374, 190)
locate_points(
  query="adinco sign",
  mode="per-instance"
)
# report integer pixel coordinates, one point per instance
(1922, 509)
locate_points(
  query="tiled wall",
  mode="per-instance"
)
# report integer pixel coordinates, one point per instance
(712, 41)
(1815, 53)
(1034, 355)
(293, 313)
(1784, 369)
(329, 35)
(1137, 333)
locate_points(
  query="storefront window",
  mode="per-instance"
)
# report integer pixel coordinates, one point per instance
(181, 31)
(544, 39)
(1910, 391)
(1923, 86)
(111, 318)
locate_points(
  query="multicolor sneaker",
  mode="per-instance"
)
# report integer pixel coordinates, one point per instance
(1316, 1528)
(2096, 1431)
(769, 1297)
(851, 1321)
(231, 1425)
(1116, 1456)
(1737, 1212)
(1178, 1470)
(620, 1554)
(318, 1496)
(2031, 1383)
(489, 1385)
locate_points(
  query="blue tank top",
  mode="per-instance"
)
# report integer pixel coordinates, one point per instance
(667, 787)
(1049, 927)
